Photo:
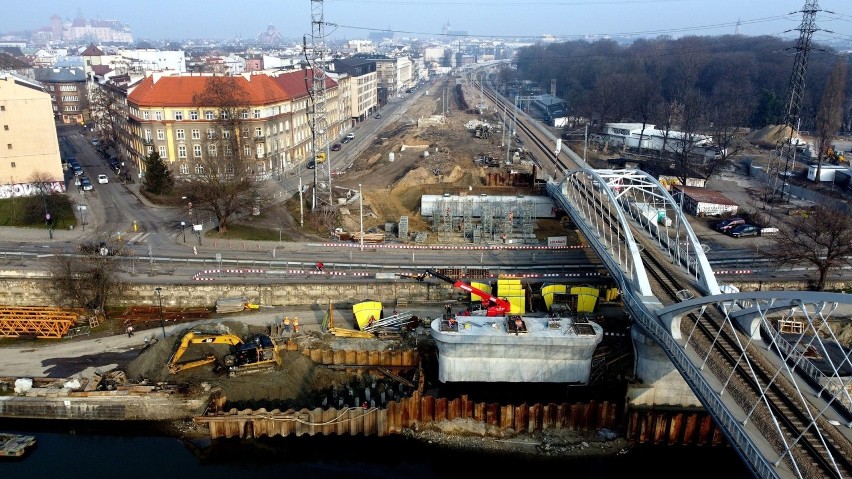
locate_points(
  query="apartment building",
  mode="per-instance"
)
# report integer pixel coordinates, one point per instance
(165, 115)
(394, 74)
(363, 87)
(68, 90)
(29, 148)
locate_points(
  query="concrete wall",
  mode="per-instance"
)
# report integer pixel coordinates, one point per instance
(31, 292)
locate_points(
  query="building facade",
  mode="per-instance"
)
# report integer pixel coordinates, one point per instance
(165, 115)
(29, 149)
(363, 86)
(67, 87)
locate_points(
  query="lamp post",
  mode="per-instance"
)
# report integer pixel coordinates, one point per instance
(160, 299)
(361, 208)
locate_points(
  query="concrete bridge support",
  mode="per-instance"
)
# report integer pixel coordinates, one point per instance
(658, 382)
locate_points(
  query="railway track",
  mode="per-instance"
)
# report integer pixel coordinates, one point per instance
(783, 416)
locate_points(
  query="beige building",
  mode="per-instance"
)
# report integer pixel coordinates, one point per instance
(395, 74)
(275, 133)
(362, 96)
(29, 147)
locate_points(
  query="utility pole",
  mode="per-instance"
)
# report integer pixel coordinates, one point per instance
(797, 85)
(317, 111)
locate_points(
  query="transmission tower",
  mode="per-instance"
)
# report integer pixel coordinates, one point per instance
(315, 56)
(797, 83)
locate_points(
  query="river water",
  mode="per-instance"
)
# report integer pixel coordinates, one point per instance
(71, 450)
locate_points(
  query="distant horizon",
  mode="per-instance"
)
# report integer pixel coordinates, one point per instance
(355, 19)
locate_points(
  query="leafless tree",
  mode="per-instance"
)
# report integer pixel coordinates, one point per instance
(822, 238)
(89, 279)
(223, 181)
(830, 112)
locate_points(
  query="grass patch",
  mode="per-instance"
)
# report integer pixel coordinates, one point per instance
(29, 212)
(250, 233)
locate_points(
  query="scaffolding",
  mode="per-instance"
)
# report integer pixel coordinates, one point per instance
(41, 322)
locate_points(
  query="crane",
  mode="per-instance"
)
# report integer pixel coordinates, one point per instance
(493, 305)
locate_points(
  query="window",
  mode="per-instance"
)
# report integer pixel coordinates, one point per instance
(246, 151)
(147, 134)
(196, 151)
(180, 134)
(196, 134)
(161, 134)
(149, 150)
(178, 115)
(193, 115)
(182, 151)
(224, 115)
(244, 133)
(158, 115)
(199, 169)
(70, 108)
(228, 151)
(244, 115)
(208, 114)
(70, 98)
(67, 88)
(163, 152)
(145, 115)
(257, 113)
(211, 133)
(2, 107)
(211, 150)
(6, 127)
(258, 132)
(226, 134)
(13, 164)
(229, 169)
(184, 169)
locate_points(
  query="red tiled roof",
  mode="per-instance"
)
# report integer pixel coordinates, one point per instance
(92, 51)
(295, 83)
(101, 69)
(179, 90)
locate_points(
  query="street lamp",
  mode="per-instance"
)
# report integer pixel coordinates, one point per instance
(160, 298)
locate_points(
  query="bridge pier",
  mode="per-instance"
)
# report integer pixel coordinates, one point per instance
(658, 383)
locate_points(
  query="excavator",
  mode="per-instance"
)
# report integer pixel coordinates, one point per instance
(257, 352)
(492, 305)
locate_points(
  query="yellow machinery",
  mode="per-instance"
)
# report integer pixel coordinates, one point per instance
(260, 350)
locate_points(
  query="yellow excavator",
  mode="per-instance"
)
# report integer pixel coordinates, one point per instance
(256, 352)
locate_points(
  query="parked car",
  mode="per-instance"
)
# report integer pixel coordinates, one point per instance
(378, 115)
(96, 142)
(86, 184)
(103, 179)
(728, 224)
(78, 170)
(349, 137)
(335, 147)
(311, 165)
(744, 230)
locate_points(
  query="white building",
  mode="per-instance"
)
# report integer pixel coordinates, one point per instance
(628, 135)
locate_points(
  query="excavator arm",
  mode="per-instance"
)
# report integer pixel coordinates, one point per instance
(194, 337)
(495, 306)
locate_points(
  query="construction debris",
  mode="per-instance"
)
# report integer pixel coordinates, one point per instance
(234, 305)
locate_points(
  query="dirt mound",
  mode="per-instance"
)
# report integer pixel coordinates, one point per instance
(771, 135)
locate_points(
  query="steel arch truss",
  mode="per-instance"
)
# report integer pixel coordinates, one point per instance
(787, 341)
(601, 201)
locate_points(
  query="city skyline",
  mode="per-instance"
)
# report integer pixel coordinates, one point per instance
(354, 19)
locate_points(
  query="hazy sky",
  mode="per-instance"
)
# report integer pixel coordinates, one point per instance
(180, 19)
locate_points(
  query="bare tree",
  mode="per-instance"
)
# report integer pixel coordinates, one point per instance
(822, 238)
(90, 279)
(830, 112)
(223, 181)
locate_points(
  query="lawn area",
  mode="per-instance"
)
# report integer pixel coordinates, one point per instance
(29, 212)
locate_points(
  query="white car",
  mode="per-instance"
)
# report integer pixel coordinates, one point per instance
(103, 179)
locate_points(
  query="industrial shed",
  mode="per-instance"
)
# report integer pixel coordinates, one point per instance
(703, 202)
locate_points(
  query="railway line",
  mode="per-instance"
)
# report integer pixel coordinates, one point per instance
(789, 423)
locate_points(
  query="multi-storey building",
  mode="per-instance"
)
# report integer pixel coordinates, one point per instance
(362, 96)
(166, 115)
(29, 150)
(67, 86)
(394, 74)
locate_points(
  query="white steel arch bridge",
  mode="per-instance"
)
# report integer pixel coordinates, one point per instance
(767, 366)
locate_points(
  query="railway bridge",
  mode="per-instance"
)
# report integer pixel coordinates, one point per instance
(765, 365)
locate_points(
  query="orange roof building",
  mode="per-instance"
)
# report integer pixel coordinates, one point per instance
(168, 114)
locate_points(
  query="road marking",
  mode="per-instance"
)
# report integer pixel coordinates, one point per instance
(138, 238)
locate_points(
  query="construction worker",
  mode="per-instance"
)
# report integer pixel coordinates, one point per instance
(286, 324)
(295, 325)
